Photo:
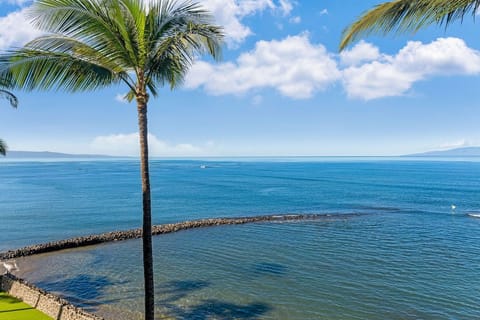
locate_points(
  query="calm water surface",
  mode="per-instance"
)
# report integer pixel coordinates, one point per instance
(409, 257)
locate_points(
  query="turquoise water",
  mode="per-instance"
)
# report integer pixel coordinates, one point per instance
(409, 257)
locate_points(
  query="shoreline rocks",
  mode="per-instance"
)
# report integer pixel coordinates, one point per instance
(161, 229)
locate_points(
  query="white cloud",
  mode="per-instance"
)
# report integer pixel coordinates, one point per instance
(293, 66)
(296, 19)
(16, 2)
(286, 6)
(395, 75)
(298, 68)
(324, 12)
(120, 97)
(360, 53)
(128, 145)
(229, 14)
(15, 30)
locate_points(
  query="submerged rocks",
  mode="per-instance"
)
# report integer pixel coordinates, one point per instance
(160, 229)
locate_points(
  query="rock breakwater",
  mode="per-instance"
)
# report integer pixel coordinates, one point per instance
(161, 229)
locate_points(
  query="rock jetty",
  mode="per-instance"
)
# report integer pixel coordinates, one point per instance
(161, 229)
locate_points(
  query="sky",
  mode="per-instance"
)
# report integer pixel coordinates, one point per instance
(281, 89)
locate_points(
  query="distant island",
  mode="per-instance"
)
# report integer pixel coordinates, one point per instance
(48, 154)
(457, 152)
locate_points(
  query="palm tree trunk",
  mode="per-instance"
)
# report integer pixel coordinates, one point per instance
(147, 210)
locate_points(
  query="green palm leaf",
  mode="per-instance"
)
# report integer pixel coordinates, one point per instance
(3, 147)
(407, 16)
(10, 97)
(6, 82)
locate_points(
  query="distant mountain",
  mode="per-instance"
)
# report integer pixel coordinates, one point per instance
(48, 154)
(458, 152)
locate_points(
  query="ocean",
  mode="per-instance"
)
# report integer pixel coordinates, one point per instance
(406, 255)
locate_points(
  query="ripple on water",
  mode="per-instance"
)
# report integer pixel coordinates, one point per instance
(383, 266)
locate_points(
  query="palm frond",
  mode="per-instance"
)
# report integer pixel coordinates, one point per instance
(98, 54)
(10, 97)
(171, 17)
(95, 43)
(6, 82)
(135, 22)
(178, 33)
(401, 16)
(95, 22)
(3, 147)
(40, 69)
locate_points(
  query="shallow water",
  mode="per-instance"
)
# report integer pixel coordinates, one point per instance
(410, 257)
(379, 266)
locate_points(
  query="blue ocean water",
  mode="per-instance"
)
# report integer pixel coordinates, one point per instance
(410, 256)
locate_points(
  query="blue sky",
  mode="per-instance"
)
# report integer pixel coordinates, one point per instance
(282, 89)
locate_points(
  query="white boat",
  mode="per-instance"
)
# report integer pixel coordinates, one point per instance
(474, 214)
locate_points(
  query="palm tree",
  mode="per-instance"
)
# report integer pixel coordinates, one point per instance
(12, 99)
(92, 44)
(408, 16)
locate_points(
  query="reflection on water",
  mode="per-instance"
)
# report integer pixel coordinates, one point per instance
(381, 266)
